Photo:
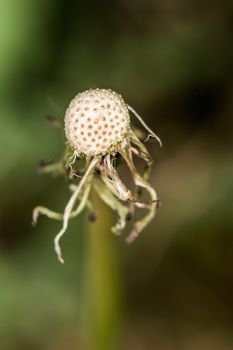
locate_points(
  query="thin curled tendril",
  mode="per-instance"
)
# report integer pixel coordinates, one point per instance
(151, 133)
(69, 208)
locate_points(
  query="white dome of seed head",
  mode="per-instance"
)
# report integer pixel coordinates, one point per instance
(96, 122)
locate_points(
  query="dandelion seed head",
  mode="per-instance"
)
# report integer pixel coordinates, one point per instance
(96, 122)
(97, 128)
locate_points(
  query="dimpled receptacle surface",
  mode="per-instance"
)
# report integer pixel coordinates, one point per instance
(96, 122)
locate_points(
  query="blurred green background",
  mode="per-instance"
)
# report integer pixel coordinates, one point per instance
(172, 289)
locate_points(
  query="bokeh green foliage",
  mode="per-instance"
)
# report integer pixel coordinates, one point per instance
(172, 61)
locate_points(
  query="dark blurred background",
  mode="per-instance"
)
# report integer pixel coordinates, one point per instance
(172, 61)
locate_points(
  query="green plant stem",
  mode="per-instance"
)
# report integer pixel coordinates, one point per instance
(103, 287)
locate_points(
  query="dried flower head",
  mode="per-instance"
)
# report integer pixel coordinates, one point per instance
(97, 128)
(96, 122)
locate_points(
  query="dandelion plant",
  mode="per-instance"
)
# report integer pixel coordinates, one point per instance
(98, 132)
